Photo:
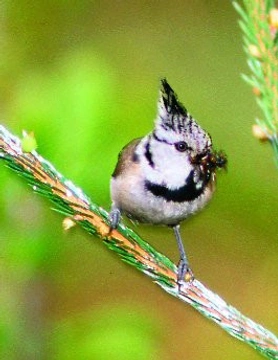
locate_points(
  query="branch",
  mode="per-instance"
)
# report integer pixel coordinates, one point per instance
(259, 23)
(72, 202)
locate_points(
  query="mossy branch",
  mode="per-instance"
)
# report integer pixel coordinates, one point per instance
(259, 23)
(72, 202)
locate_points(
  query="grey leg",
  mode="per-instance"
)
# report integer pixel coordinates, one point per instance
(184, 271)
(114, 217)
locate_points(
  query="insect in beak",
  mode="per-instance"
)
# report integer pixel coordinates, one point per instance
(215, 160)
(210, 161)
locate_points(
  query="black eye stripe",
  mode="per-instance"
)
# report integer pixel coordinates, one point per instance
(160, 140)
(180, 145)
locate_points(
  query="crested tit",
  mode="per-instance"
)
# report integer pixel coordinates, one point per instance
(168, 175)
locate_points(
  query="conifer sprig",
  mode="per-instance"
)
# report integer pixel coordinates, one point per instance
(72, 202)
(259, 23)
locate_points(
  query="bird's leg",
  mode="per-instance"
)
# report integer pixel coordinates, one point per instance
(184, 271)
(114, 218)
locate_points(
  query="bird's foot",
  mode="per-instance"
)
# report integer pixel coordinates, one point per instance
(185, 274)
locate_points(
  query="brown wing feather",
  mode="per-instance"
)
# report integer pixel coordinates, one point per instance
(126, 157)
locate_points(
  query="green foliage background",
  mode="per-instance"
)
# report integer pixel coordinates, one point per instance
(85, 77)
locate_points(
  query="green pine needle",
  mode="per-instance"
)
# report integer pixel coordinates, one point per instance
(260, 36)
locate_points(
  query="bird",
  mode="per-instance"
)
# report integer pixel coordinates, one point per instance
(168, 175)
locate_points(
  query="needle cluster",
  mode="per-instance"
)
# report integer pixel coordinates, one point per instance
(259, 23)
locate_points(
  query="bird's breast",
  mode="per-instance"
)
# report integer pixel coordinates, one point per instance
(155, 203)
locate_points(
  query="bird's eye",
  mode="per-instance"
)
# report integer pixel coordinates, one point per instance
(181, 146)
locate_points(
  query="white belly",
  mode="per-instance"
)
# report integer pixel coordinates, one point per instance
(139, 204)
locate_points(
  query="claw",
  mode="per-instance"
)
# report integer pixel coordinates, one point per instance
(184, 272)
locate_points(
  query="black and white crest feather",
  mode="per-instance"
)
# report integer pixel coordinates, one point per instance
(171, 103)
(177, 117)
(174, 123)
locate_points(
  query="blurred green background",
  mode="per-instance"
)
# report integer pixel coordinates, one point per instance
(84, 76)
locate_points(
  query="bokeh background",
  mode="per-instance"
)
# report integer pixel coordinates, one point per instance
(84, 76)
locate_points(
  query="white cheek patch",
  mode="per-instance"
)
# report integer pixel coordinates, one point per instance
(171, 167)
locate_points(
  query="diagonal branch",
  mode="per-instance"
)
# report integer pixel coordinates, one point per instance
(71, 201)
